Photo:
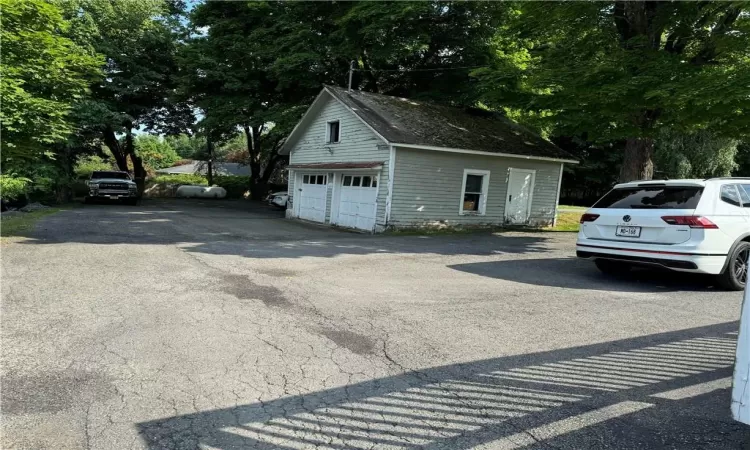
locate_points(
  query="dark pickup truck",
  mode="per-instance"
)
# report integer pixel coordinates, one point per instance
(112, 185)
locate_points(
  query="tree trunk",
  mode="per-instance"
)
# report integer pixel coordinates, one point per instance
(638, 162)
(110, 140)
(139, 172)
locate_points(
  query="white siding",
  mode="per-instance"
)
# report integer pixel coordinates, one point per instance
(357, 144)
(427, 188)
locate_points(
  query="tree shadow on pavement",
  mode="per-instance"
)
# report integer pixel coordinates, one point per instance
(650, 392)
(577, 273)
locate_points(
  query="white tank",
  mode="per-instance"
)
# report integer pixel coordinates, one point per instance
(201, 192)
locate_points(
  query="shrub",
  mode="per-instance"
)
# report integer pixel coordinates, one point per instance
(86, 165)
(12, 187)
(155, 151)
(235, 185)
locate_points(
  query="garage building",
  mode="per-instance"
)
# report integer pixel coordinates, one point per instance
(373, 162)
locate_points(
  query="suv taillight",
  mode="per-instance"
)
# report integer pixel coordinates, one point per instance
(691, 221)
(589, 217)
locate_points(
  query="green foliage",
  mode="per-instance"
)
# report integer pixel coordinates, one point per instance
(181, 179)
(613, 71)
(743, 160)
(236, 186)
(187, 146)
(695, 155)
(155, 151)
(86, 165)
(47, 180)
(13, 187)
(612, 77)
(43, 73)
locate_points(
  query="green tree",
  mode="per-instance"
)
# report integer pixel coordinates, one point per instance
(187, 146)
(625, 70)
(86, 165)
(155, 151)
(139, 39)
(43, 73)
(743, 160)
(257, 65)
(701, 154)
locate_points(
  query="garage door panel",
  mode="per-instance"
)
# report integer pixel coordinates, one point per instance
(313, 197)
(357, 202)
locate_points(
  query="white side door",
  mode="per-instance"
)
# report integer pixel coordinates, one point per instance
(518, 200)
(313, 192)
(357, 201)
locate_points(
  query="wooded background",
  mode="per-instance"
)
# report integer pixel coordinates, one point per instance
(633, 89)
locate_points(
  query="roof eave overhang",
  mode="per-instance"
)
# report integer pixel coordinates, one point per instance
(479, 152)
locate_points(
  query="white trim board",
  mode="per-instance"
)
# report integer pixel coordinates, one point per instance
(477, 152)
(485, 174)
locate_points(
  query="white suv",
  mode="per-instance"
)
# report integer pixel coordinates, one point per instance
(700, 226)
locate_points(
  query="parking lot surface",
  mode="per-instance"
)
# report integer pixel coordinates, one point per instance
(218, 325)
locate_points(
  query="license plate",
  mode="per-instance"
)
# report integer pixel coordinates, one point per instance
(623, 231)
(114, 197)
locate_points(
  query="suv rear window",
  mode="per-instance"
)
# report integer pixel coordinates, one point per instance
(652, 197)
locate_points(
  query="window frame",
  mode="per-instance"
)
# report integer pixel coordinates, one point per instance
(328, 131)
(740, 188)
(736, 191)
(482, 210)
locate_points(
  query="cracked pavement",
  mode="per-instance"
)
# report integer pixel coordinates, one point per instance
(190, 324)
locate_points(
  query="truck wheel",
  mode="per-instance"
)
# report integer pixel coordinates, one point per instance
(734, 276)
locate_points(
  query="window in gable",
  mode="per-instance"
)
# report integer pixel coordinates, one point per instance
(333, 133)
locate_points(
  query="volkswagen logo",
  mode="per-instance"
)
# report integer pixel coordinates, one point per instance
(626, 218)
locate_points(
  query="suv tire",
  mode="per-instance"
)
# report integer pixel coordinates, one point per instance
(735, 274)
(610, 267)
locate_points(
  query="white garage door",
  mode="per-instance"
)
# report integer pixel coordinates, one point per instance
(312, 197)
(357, 201)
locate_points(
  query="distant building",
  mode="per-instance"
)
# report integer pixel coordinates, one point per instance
(201, 168)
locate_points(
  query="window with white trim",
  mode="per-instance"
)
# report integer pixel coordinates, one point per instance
(333, 132)
(474, 192)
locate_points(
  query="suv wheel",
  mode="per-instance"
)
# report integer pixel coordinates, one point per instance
(734, 276)
(610, 267)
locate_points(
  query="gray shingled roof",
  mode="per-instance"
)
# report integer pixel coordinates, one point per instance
(404, 121)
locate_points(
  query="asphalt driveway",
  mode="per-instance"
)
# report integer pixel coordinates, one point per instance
(188, 324)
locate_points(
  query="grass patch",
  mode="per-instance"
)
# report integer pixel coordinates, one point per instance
(19, 225)
(567, 221)
(571, 207)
